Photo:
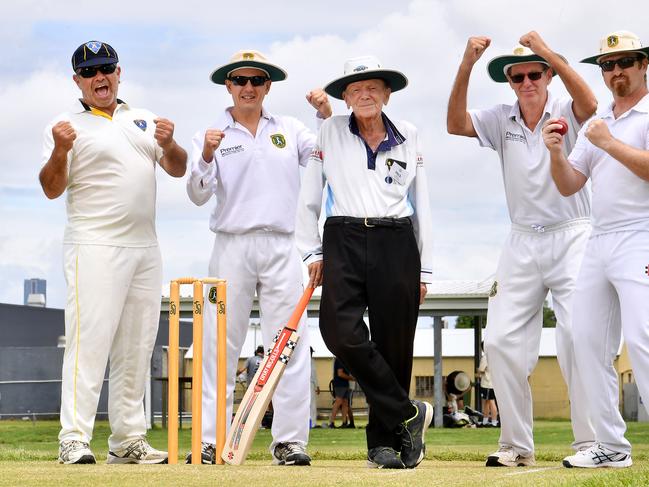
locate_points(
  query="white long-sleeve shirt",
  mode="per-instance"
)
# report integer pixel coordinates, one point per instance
(393, 185)
(256, 179)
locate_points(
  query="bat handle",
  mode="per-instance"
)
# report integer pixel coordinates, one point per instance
(299, 309)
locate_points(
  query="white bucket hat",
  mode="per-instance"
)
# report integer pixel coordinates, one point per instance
(248, 59)
(499, 65)
(618, 42)
(362, 68)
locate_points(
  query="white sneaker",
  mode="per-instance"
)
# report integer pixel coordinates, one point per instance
(598, 456)
(290, 453)
(75, 451)
(507, 457)
(137, 451)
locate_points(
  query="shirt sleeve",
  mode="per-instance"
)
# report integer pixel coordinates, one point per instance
(579, 157)
(307, 234)
(488, 125)
(422, 220)
(305, 141)
(48, 143)
(202, 182)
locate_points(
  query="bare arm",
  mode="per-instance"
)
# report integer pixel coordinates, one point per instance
(566, 177)
(174, 160)
(634, 159)
(584, 103)
(342, 375)
(54, 174)
(458, 120)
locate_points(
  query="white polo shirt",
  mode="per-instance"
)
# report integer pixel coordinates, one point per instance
(358, 187)
(256, 180)
(110, 197)
(532, 197)
(620, 198)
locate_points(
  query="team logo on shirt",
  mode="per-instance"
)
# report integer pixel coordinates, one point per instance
(316, 154)
(141, 124)
(278, 140)
(212, 295)
(494, 289)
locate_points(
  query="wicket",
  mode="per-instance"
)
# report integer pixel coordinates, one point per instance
(197, 364)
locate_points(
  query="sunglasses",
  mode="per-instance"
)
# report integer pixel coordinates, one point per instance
(533, 76)
(243, 80)
(623, 63)
(91, 71)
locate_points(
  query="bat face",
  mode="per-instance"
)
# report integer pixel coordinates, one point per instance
(255, 401)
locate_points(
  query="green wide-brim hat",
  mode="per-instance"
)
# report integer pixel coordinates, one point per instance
(615, 43)
(248, 59)
(498, 66)
(362, 68)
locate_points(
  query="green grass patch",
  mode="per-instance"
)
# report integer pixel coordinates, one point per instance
(28, 452)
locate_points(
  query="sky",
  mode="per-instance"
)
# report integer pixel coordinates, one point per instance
(168, 49)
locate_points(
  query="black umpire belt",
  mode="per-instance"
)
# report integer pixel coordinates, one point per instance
(369, 222)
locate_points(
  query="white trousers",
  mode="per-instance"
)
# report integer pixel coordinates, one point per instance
(532, 263)
(112, 313)
(612, 298)
(268, 264)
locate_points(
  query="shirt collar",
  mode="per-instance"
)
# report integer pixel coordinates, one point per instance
(84, 107)
(515, 111)
(227, 120)
(642, 106)
(393, 136)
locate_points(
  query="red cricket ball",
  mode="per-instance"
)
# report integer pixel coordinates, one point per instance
(564, 127)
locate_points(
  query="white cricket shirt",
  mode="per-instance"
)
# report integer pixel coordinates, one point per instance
(359, 187)
(532, 197)
(110, 197)
(256, 180)
(620, 198)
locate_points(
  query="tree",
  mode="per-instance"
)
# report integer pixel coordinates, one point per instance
(549, 319)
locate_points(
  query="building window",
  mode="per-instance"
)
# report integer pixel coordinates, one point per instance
(424, 385)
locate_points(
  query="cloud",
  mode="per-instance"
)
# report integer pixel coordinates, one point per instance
(168, 50)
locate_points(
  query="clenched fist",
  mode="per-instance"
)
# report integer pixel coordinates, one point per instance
(212, 141)
(320, 101)
(475, 47)
(63, 135)
(598, 133)
(164, 132)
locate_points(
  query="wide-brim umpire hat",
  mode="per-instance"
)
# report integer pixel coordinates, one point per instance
(93, 53)
(616, 43)
(248, 59)
(362, 68)
(498, 66)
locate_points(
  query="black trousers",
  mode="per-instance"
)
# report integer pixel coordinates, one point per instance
(375, 268)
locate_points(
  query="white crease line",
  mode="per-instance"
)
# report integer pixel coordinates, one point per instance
(532, 471)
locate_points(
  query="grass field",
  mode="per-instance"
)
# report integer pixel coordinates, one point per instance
(28, 454)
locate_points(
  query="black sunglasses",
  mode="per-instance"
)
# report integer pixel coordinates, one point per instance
(623, 63)
(91, 71)
(533, 76)
(243, 80)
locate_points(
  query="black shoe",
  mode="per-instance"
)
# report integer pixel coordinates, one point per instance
(349, 426)
(290, 453)
(383, 457)
(208, 454)
(413, 432)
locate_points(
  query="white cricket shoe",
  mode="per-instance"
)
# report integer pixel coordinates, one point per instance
(507, 457)
(598, 456)
(75, 451)
(137, 451)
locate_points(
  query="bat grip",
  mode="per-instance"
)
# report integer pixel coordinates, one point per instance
(299, 309)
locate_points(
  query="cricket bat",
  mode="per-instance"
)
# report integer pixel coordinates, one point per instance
(255, 401)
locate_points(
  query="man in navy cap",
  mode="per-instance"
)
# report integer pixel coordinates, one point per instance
(104, 154)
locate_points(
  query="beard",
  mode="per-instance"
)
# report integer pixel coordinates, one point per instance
(621, 86)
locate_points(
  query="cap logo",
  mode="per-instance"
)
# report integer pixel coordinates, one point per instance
(94, 46)
(519, 51)
(612, 41)
(248, 55)
(360, 68)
